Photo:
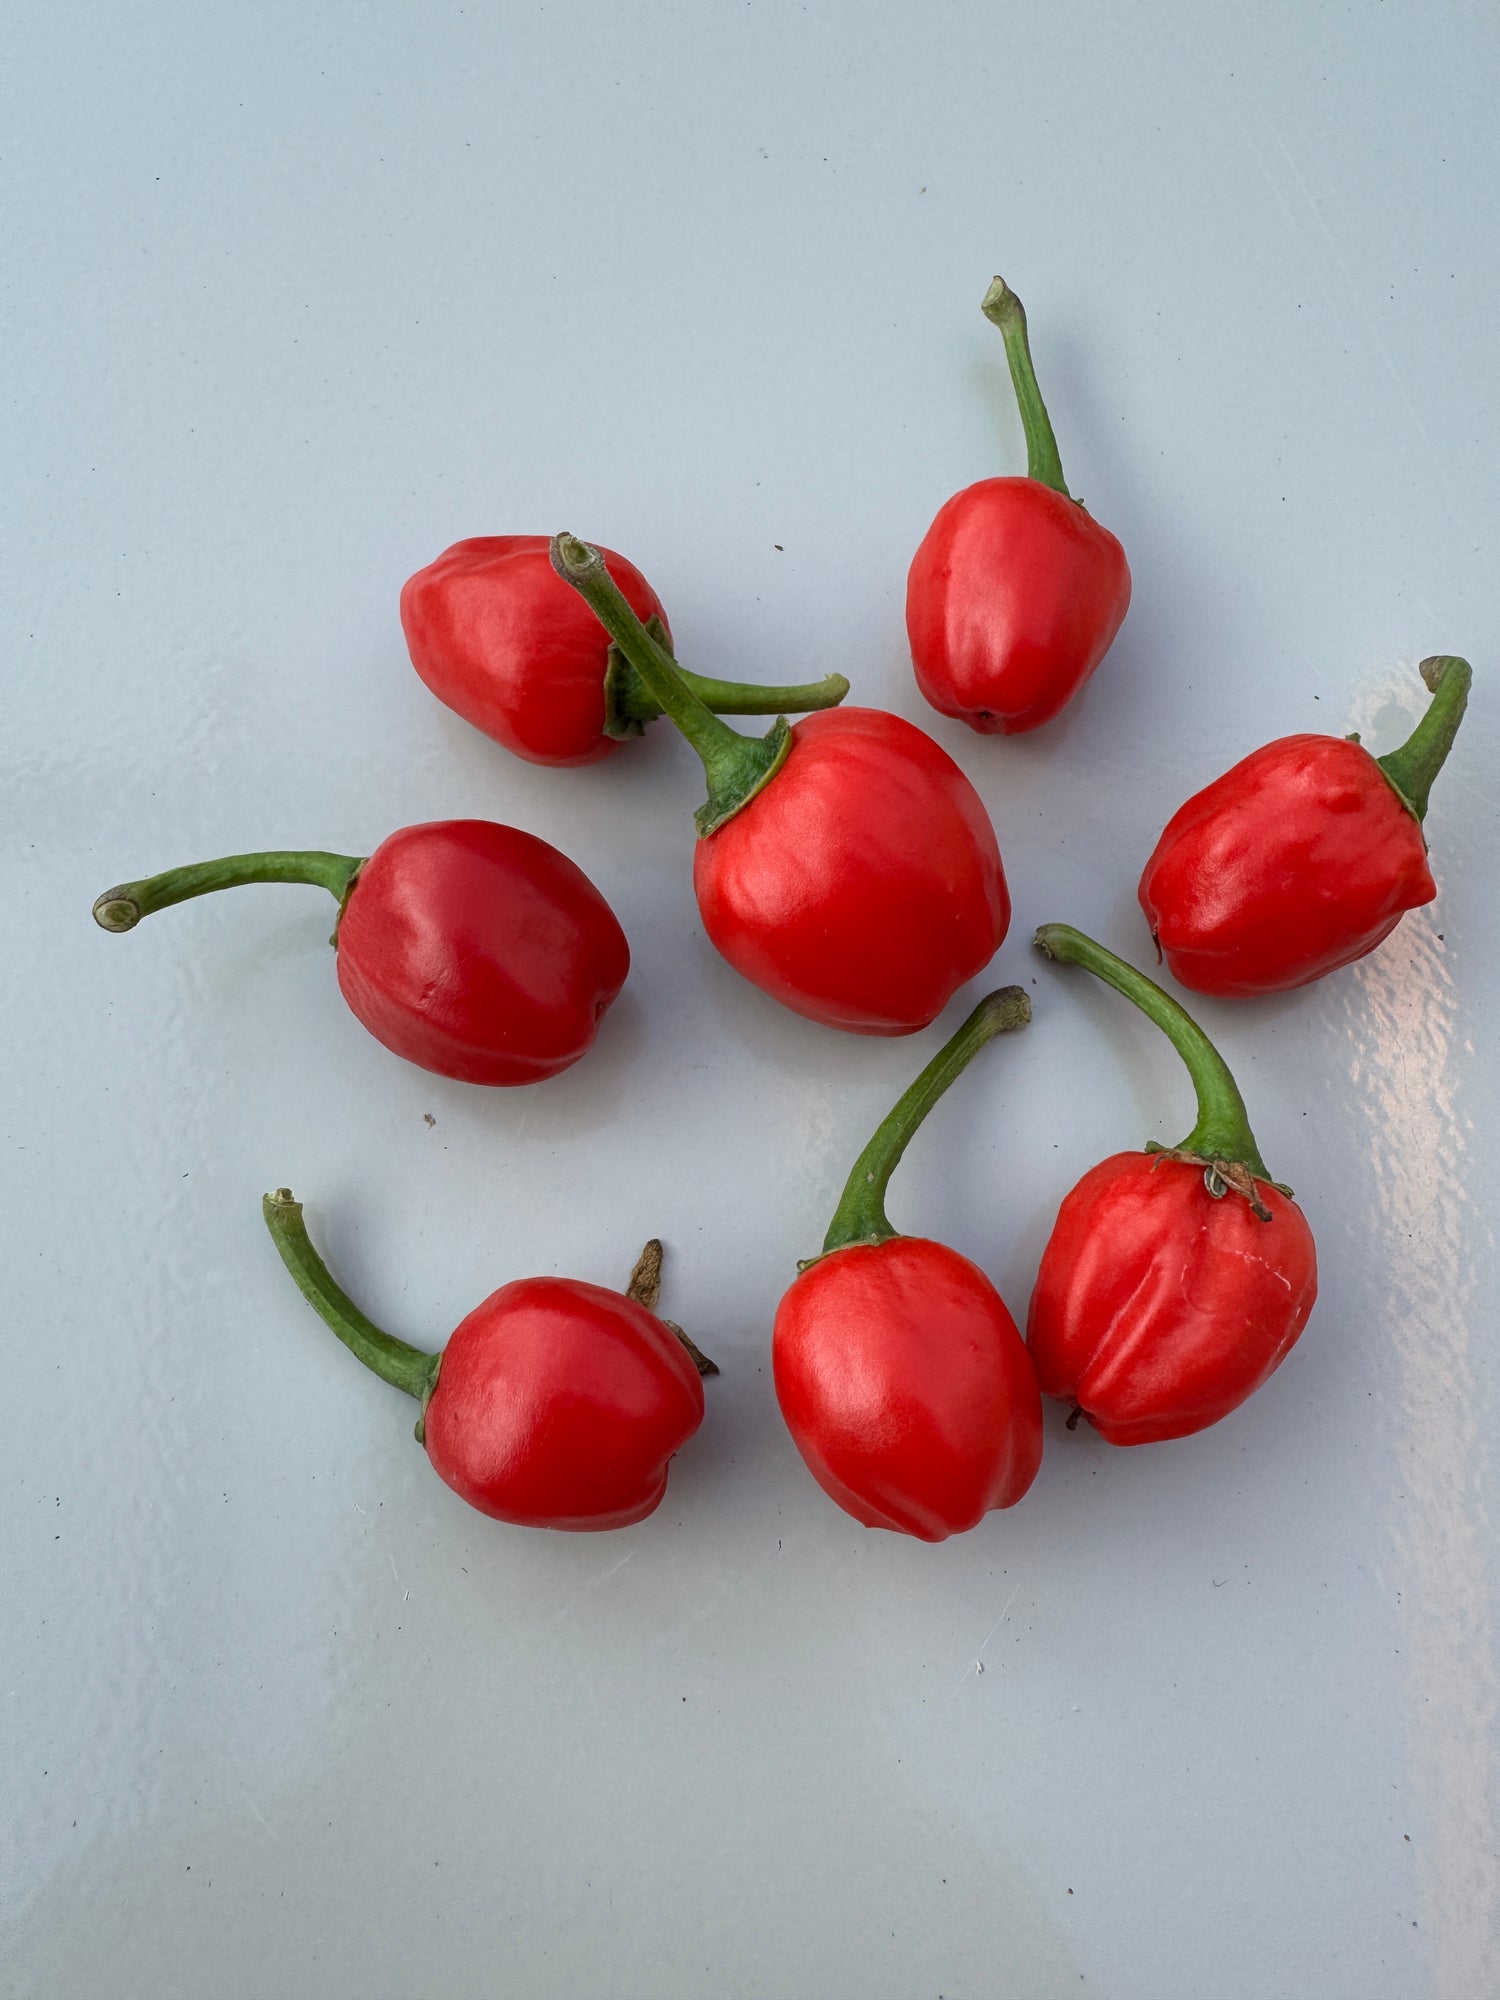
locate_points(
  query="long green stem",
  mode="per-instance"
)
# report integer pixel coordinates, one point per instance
(860, 1216)
(1412, 768)
(394, 1361)
(1002, 308)
(1222, 1135)
(121, 909)
(736, 766)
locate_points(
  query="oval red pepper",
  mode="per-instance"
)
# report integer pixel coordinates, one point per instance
(846, 866)
(498, 640)
(555, 1404)
(1016, 593)
(902, 1377)
(1176, 1279)
(1301, 858)
(473, 950)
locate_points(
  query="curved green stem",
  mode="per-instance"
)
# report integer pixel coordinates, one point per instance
(860, 1216)
(121, 909)
(394, 1361)
(1002, 308)
(1412, 768)
(632, 705)
(1222, 1135)
(736, 766)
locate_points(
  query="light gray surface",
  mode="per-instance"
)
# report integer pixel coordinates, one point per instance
(297, 297)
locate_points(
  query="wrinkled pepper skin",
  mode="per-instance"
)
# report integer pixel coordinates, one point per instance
(863, 885)
(479, 951)
(503, 643)
(1012, 600)
(1297, 861)
(560, 1404)
(1158, 1309)
(906, 1387)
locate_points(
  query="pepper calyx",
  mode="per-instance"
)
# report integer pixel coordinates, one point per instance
(1221, 1177)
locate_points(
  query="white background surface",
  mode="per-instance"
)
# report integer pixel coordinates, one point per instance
(299, 296)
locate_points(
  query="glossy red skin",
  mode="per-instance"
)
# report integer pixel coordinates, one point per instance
(559, 1404)
(1297, 861)
(863, 885)
(1012, 600)
(907, 1388)
(504, 642)
(1158, 1309)
(479, 951)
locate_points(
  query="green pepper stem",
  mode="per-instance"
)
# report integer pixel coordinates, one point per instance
(860, 1216)
(1412, 768)
(1002, 308)
(633, 702)
(121, 909)
(736, 766)
(394, 1361)
(1222, 1133)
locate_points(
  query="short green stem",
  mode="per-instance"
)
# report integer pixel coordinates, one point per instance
(1002, 308)
(1222, 1133)
(1412, 768)
(860, 1216)
(736, 766)
(121, 909)
(394, 1361)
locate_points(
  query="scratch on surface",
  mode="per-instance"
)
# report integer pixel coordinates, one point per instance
(594, 1583)
(978, 1665)
(1350, 305)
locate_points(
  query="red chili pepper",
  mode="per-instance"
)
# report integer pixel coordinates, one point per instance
(471, 949)
(1016, 593)
(555, 1404)
(846, 866)
(1301, 858)
(1176, 1279)
(900, 1374)
(496, 638)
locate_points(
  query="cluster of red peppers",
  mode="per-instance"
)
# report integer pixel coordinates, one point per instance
(846, 866)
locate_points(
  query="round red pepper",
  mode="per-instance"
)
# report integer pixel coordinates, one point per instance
(1016, 593)
(846, 866)
(555, 1404)
(1301, 858)
(498, 640)
(471, 949)
(1176, 1279)
(902, 1378)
